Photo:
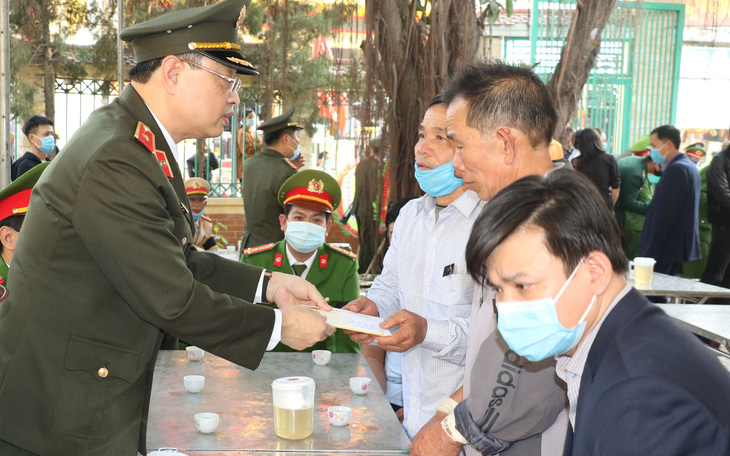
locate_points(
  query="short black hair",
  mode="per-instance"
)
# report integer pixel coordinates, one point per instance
(589, 143)
(14, 221)
(271, 138)
(564, 204)
(394, 209)
(142, 72)
(437, 100)
(668, 133)
(288, 207)
(35, 122)
(500, 94)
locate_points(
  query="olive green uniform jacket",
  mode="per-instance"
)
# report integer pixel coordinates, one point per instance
(3, 273)
(104, 264)
(333, 272)
(633, 202)
(694, 269)
(263, 175)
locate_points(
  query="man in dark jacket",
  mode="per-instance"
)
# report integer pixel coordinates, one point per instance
(671, 230)
(718, 205)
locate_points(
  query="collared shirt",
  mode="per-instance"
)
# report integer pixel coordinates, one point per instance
(276, 333)
(425, 272)
(570, 368)
(293, 261)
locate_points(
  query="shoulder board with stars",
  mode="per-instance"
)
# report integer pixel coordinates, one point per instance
(343, 251)
(261, 248)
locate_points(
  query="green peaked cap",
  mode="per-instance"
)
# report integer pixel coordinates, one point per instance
(277, 123)
(210, 30)
(313, 189)
(14, 198)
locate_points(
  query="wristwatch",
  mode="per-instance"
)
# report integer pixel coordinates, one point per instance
(265, 284)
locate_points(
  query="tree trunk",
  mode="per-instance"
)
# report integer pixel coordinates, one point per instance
(284, 53)
(578, 57)
(49, 73)
(413, 56)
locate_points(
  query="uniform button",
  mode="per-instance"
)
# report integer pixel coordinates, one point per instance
(184, 240)
(103, 372)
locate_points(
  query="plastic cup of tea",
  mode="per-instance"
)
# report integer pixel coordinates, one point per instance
(293, 399)
(643, 270)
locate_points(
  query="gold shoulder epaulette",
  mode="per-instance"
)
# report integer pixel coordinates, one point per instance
(261, 248)
(206, 218)
(343, 251)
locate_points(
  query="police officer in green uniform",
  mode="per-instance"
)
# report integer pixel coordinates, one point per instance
(14, 200)
(636, 173)
(694, 269)
(106, 265)
(263, 175)
(309, 198)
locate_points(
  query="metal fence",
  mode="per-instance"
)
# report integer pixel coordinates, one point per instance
(633, 87)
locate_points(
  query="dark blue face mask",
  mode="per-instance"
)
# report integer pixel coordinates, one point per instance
(439, 181)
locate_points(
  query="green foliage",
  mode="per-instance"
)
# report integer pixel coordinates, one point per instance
(305, 76)
(28, 41)
(493, 7)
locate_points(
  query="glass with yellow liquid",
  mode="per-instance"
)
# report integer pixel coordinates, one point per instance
(293, 407)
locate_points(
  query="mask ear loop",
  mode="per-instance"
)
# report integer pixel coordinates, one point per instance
(565, 285)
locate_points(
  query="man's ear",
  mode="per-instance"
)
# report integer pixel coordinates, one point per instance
(171, 68)
(507, 144)
(328, 226)
(282, 222)
(8, 238)
(601, 272)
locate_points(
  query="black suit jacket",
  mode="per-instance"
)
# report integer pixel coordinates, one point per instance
(649, 387)
(671, 229)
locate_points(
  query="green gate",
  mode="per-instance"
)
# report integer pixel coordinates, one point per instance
(633, 87)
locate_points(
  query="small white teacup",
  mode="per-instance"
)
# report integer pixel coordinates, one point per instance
(359, 385)
(194, 383)
(321, 357)
(194, 353)
(339, 416)
(206, 422)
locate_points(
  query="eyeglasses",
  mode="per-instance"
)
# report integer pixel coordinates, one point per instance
(235, 83)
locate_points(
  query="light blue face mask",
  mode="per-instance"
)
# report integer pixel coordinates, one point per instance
(653, 179)
(296, 154)
(197, 216)
(656, 157)
(47, 143)
(250, 122)
(439, 181)
(532, 328)
(304, 237)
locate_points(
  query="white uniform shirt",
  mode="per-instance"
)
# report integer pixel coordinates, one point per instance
(425, 272)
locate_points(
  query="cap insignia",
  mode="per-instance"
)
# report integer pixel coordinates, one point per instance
(316, 186)
(240, 61)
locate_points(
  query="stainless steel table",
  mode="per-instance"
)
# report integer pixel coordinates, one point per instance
(242, 398)
(681, 289)
(710, 321)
